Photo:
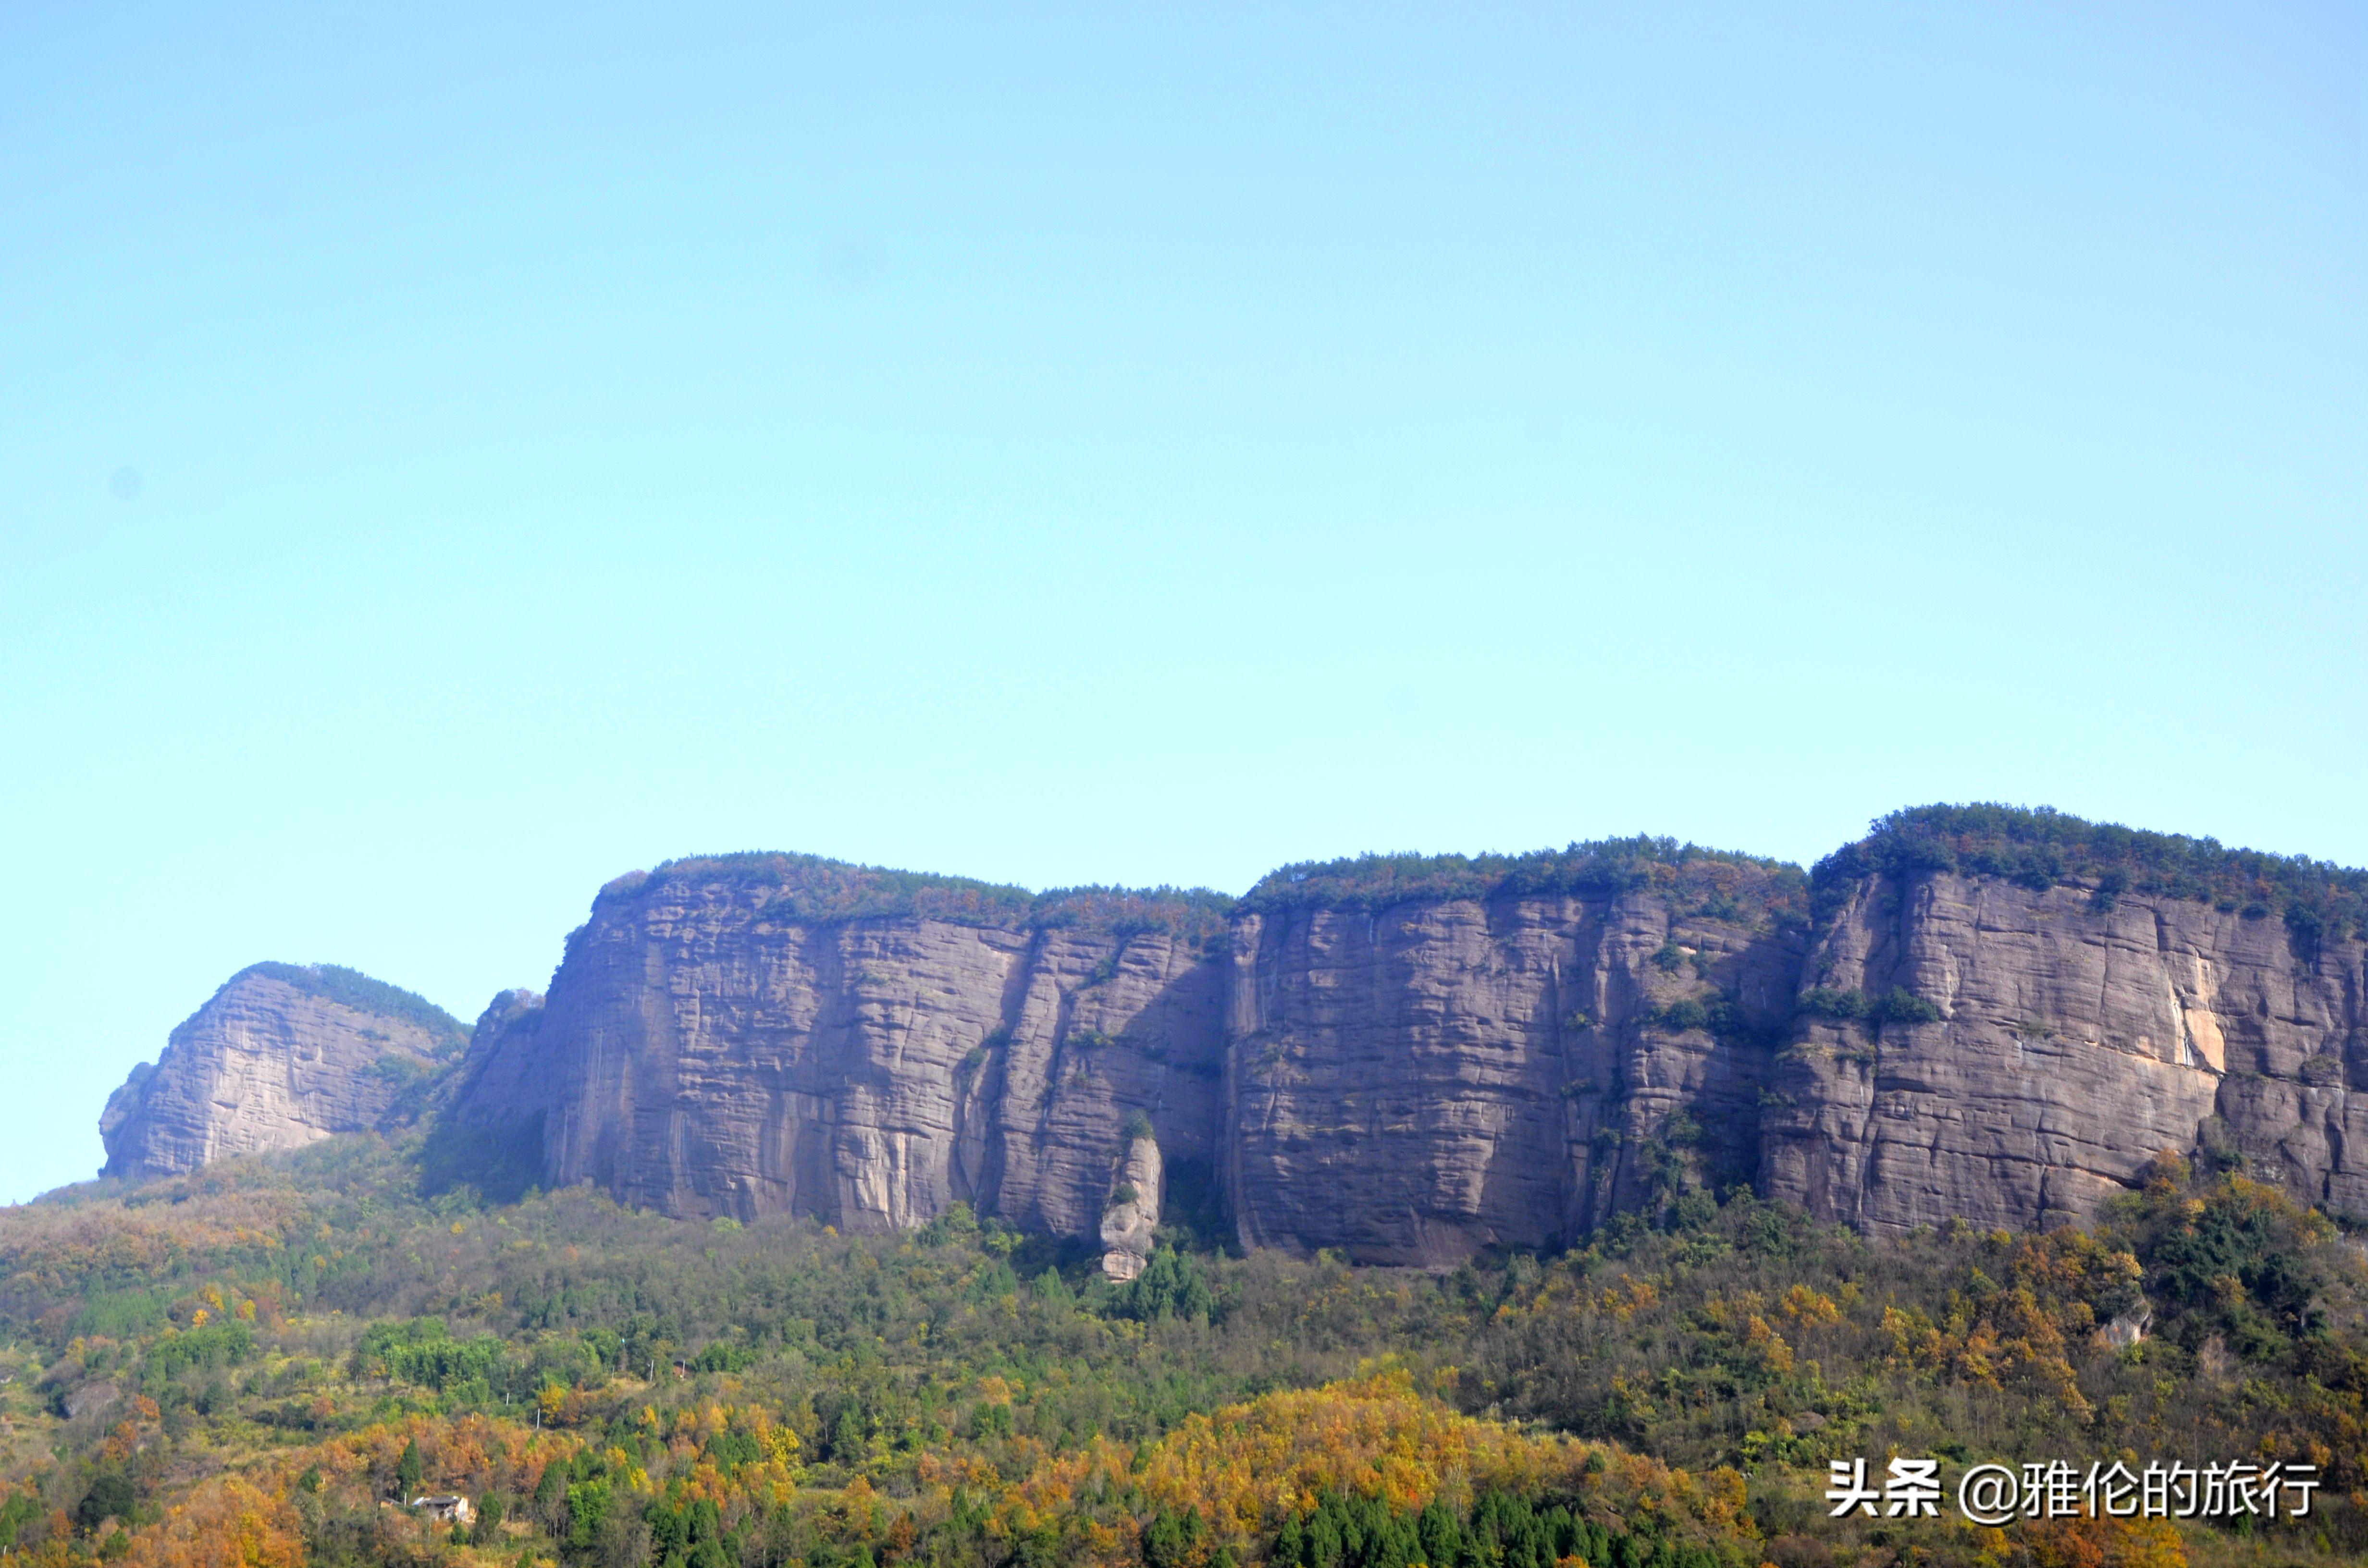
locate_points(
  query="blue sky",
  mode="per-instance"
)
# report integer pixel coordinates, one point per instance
(447, 459)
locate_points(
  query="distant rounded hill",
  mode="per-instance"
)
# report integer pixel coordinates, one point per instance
(282, 1056)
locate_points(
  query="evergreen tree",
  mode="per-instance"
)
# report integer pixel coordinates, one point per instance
(407, 1471)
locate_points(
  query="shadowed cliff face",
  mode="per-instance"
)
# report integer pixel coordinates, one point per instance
(272, 1063)
(1414, 1082)
(699, 1055)
(1407, 1059)
(1412, 1079)
(1409, 1083)
(2076, 1040)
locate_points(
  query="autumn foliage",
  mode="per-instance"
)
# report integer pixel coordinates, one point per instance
(249, 1366)
(223, 1523)
(1247, 1468)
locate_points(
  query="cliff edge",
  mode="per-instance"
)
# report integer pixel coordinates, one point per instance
(749, 1034)
(1975, 1013)
(2006, 1015)
(282, 1056)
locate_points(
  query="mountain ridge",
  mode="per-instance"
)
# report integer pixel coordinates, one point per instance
(1975, 1011)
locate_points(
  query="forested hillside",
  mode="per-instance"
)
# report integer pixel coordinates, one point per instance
(257, 1362)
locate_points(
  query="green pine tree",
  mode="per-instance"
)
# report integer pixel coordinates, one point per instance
(407, 1473)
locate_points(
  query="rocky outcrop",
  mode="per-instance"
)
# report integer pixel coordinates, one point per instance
(1415, 1061)
(1975, 1013)
(1464, 1061)
(1412, 1082)
(282, 1056)
(2072, 1039)
(1131, 1222)
(722, 1040)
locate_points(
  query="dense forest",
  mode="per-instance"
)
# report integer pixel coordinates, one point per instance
(263, 1362)
(2320, 902)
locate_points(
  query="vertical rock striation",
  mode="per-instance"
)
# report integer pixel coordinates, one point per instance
(1974, 1013)
(2071, 1038)
(282, 1056)
(1131, 1221)
(769, 1033)
(1418, 1071)
(1408, 1061)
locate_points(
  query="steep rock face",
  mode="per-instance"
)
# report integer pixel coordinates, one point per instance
(281, 1056)
(1415, 1082)
(501, 1054)
(713, 1044)
(1974, 1013)
(2079, 1037)
(1130, 1221)
(1453, 1065)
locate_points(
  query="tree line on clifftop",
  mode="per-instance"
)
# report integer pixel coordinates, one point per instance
(2038, 848)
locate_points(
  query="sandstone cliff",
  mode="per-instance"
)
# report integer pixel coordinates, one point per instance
(2076, 1031)
(281, 1056)
(1504, 1064)
(1459, 1054)
(1974, 1013)
(767, 1033)
(1413, 1060)
(1131, 1222)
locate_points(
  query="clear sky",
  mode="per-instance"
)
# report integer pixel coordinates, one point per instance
(450, 455)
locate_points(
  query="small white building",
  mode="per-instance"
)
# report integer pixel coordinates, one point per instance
(444, 1510)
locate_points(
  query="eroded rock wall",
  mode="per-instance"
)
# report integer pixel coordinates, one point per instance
(1408, 1060)
(2079, 1035)
(267, 1063)
(1412, 1084)
(698, 1055)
